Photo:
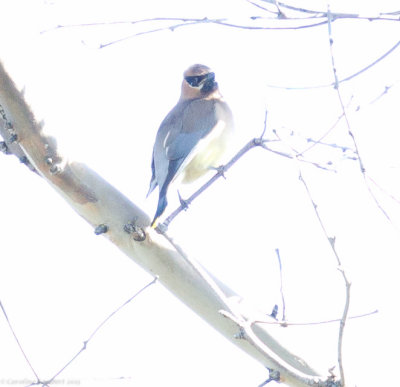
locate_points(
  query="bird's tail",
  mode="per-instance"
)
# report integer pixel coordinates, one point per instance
(162, 204)
(153, 185)
(153, 181)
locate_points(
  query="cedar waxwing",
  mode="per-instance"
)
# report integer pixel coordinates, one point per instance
(193, 136)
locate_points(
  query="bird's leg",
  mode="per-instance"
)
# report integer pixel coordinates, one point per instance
(184, 203)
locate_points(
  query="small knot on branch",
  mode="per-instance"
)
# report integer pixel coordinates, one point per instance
(4, 148)
(13, 138)
(137, 232)
(24, 160)
(101, 229)
(274, 376)
(240, 335)
(258, 141)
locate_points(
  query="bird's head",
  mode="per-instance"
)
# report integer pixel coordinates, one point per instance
(198, 82)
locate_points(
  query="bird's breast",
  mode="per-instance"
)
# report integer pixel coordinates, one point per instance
(208, 152)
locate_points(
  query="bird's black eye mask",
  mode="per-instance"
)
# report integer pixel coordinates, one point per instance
(195, 80)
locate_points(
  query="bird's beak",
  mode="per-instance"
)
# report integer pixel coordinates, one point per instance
(210, 77)
(208, 83)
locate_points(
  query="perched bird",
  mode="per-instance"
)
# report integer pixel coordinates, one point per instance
(193, 136)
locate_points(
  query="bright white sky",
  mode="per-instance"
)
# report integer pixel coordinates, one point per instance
(58, 281)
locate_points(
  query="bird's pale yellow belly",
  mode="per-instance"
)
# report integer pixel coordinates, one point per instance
(208, 153)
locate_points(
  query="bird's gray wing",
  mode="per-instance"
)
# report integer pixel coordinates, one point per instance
(167, 132)
(197, 120)
(182, 132)
(185, 125)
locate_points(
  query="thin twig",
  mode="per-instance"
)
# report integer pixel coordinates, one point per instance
(211, 21)
(292, 8)
(86, 342)
(18, 343)
(246, 27)
(170, 28)
(255, 142)
(183, 23)
(332, 145)
(334, 15)
(342, 326)
(383, 190)
(265, 124)
(390, 13)
(325, 134)
(376, 201)
(300, 159)
(331, 241)
(224, 22)
(269, 380)
(251, 144)
(281, 287)
(294, 323)
(384, 92)
(128, 22)
(348, 78)
(299, 155)
(349, 130)
(263, 8)
(371, 64)
(315, 142)
(347, 283)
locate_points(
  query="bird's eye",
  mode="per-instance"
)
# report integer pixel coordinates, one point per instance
(195, 81)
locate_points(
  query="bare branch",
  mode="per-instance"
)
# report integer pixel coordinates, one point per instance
(337, 15)
(331, 241)
(281, 287)
(255, 142)
(332, 244)
(251, 144)
(292, 8)
(371, 64)
(265, 124)
(390, 13)
(263, 8)
(383, 190)
(296, 323)
(101, 204)
(337, 82)
(247, 332)
(349, 130)
(185, 22)
(86, 342)
(221, 22)
(170, 28)
(18, 342)
(319, 140)
(384, 92)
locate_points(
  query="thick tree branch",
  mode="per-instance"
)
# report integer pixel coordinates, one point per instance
(108, 211)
